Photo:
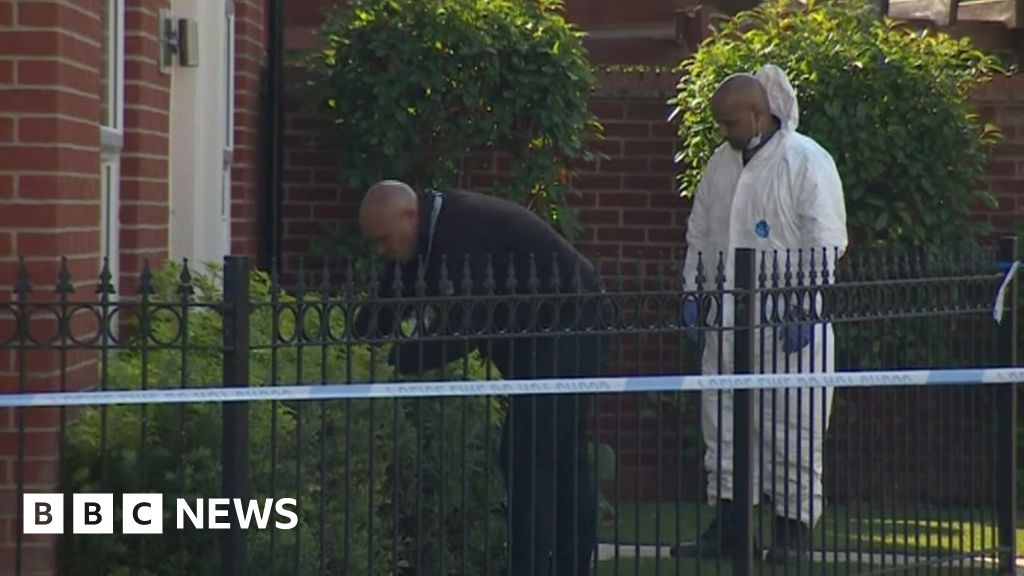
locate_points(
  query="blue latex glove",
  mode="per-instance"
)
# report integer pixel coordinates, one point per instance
(690, 320)
(795, 337)
(689, 311)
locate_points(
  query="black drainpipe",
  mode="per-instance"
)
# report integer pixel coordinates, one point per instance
(270, 225)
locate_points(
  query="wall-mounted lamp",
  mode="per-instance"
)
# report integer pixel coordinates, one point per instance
(178, 37)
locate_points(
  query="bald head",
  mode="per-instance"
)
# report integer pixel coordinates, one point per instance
(387, 197)
(741, 91)
(389, 219)
(740, 106)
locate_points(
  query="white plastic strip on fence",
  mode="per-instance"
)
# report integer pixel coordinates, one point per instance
(424, 389)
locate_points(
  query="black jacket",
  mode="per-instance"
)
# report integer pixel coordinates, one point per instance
(508, 252)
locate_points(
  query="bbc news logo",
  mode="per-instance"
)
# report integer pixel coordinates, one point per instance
(144, 513)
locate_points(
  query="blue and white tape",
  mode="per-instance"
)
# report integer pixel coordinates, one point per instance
(1011, 271)
(436, 389)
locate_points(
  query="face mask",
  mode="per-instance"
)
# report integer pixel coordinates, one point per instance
(756, 140)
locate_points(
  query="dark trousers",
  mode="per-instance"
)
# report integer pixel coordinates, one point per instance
(552, 492)
(552, 496)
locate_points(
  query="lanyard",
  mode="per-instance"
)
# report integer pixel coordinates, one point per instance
(435, 211)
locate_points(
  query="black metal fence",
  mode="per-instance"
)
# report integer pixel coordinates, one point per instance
(893, 478)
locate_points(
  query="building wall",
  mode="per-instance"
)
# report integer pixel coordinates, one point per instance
(629, 204)
(48, 142)
(49, 185)
(1002, 102)
(247, 170)
(146, 200)
(51, 108)
(145, 167)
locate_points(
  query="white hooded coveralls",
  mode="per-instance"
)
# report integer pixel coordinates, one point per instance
(789, 197)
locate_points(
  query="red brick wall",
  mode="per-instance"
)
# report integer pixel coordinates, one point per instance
(49, 184)
(48, 140)
(311, 195)
(50, 111)
(1002, 102)
(308, 13)
(145, 170)
(648, 31)
(250, 60)
(628, 204)
(630, 207)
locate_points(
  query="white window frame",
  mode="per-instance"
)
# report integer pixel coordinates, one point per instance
(112, 141)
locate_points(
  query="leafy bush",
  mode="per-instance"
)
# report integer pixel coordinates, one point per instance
(413, 86)
(890, 104)
(348, 457)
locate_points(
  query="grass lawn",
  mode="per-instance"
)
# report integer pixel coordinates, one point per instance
(670, 567)
(874, 537)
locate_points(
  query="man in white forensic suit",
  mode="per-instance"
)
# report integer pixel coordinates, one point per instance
(777, 191)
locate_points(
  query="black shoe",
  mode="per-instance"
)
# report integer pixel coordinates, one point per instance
(718, 539)
(791, 540)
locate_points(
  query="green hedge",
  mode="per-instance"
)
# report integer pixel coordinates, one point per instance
(892, 104)
(290, 445)
(415, 86)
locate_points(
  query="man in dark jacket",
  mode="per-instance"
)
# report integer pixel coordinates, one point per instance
(432, 241)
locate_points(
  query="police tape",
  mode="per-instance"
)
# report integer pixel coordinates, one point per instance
(1011, 271)
(435, 389)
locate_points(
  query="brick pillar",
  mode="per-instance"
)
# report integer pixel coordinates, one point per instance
(49, 186)
(145, 172)
(247, 169)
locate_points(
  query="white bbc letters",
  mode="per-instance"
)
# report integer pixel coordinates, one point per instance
(219, 508)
